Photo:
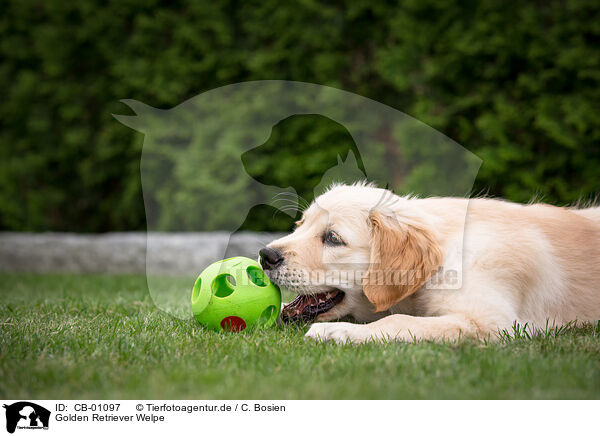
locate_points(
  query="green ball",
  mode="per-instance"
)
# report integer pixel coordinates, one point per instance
(235, 294)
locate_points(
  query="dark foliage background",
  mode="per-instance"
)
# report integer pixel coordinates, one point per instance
(515, 83)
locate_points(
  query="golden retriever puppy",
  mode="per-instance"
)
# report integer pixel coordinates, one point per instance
(435, 268)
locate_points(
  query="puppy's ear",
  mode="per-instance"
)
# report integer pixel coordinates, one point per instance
(403, 257)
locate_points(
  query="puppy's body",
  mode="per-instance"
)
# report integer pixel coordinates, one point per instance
(481, 264)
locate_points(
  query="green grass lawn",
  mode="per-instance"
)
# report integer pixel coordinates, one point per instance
(66, 336)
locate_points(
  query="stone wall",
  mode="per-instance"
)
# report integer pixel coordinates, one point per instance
(120, 253)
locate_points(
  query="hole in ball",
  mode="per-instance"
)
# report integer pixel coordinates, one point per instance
(223, 285)
(196, 291)
(267, 315)
(257, 276)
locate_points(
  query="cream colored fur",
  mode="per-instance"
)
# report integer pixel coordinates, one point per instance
(468, 267)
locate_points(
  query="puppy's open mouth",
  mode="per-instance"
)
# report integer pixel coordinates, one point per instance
(305, 308)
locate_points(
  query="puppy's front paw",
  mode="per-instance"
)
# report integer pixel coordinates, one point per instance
(340, 332)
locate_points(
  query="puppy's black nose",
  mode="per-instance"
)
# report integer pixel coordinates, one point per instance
(270, 258)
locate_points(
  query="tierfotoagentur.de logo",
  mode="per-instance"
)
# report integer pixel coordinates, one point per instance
(26, 415)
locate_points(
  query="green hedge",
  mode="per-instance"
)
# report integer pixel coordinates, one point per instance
(518, 84)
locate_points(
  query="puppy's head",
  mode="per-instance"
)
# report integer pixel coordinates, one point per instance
(357, 251)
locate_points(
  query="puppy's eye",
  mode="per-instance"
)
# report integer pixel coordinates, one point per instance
(332, 238)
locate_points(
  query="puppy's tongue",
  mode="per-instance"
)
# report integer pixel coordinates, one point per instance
(306, 308)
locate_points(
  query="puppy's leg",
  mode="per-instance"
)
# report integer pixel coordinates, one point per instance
(400, 327)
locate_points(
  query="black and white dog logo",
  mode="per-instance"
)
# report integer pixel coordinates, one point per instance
(26, 415)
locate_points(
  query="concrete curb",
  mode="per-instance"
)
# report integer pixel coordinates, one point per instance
(124, 252)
